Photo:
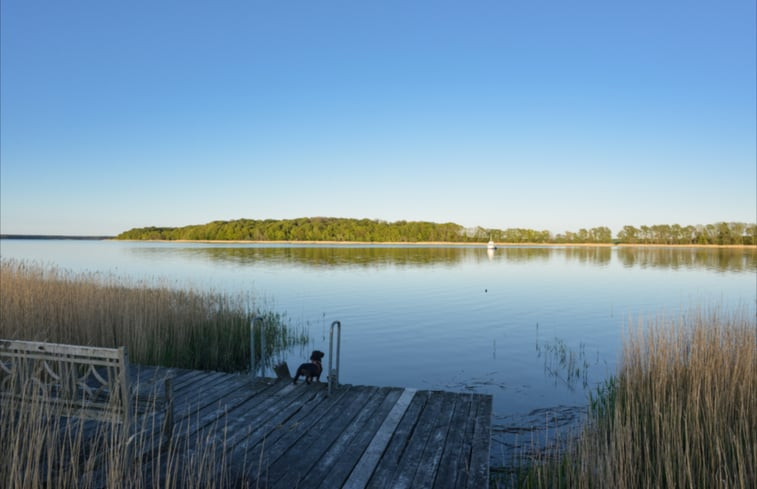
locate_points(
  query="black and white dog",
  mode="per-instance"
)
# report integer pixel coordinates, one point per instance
(312, 369)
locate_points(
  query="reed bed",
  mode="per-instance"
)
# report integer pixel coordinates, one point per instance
(681, 412)
(42, 448)
(159, 324)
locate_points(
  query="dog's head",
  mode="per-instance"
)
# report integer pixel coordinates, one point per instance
(316, 356)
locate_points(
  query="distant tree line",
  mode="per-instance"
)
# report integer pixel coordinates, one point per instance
(721, 233)
(305, 229)
(519, 235)
(370, 230)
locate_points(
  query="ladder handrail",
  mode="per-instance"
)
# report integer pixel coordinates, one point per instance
(334, 374)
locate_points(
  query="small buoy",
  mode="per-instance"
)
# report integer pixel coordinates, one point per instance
(486, 290)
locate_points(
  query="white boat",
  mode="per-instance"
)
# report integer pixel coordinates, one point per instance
(491, 245)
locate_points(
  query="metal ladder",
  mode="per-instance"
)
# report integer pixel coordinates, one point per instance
(333, 373)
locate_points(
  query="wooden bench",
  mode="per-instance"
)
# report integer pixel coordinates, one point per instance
(80, 381)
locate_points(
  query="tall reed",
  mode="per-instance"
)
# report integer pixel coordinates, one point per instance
(682, 411)
(42, 448)
(159, 325)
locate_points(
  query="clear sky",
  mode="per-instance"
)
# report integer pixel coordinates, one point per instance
(550, 115)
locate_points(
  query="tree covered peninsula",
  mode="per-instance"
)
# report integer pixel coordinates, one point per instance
(375, 231)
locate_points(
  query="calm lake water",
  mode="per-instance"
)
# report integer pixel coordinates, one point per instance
(536, 327)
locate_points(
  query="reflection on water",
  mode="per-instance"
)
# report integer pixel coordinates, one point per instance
(355, 256)
(721, 259)
(329, 257)
(596, 255)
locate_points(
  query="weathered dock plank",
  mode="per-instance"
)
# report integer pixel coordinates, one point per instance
(432, 452)
(338, 459)
(451, 462)
(207, 419)
(481, 444)
(291, 471)
(384, 472)
(194, 384)
(369, 459)
(297, 419)
(275, 434)
(213, 407)
(189, 378)
(429, 424)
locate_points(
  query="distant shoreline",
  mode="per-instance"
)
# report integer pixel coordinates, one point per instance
(55, 236)
(439, 244)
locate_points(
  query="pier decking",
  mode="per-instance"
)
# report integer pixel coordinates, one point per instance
(278, 435)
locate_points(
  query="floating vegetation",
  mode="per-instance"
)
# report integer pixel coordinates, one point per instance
(563, 364)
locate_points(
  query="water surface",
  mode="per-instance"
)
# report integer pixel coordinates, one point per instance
(536, 327)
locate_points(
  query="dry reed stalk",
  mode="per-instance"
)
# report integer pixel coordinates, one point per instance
(44, 449)
(681, 413)
(158, 324)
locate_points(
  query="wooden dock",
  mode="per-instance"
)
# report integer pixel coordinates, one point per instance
(278, 435)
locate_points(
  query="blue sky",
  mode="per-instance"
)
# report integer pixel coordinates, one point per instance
(550, 115)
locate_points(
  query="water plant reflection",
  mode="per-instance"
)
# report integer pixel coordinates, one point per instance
(366, 256)
(718, 259)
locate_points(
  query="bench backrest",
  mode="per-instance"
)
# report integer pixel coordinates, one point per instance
(83, 381)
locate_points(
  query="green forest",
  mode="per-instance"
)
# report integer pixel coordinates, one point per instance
(374, 231)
